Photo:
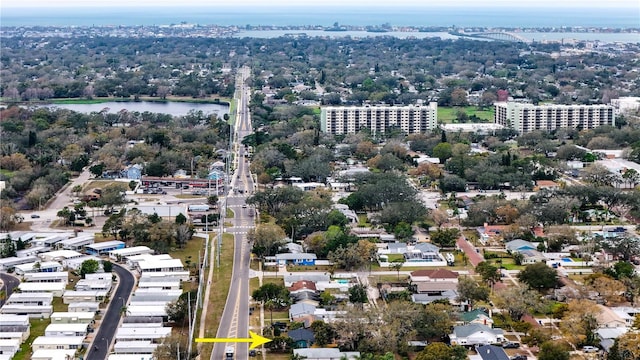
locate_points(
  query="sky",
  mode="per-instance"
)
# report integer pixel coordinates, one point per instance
(324, 3)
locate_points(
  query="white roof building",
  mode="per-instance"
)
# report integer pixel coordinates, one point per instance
(84, 306)
(138, 334)
(46, 266)
(60, 329)
(53, 354)
(57, 342)
(146, 311)
(59, 255)
(134, 347)
(85, 317)
(47, 277)
(76, 243)
(55, 288)
(160, 265)
(130, 357)
(131, 251)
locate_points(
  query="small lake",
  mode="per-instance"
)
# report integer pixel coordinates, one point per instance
(173, 108)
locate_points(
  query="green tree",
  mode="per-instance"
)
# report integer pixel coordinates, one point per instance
(212, 200)
(107, 266)
(266, 239)
(442, 151)
(445, 237)
(490, 274)
(539, 276)
(181, 219)
(8, 248)
(272, 295)
(67, 216)
(397, 265)
(441, 351)
(553, 351)
(471, 292)
(358, 294)
(323, 332)
(97, 169)
(89, 267)
(178, 311)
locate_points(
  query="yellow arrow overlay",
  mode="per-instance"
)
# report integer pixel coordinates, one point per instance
(255, 340)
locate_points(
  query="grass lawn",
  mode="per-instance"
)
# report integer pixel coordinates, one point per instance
(221, 281)
(395, 257)
(449, 114)
(58, 305)
(37, 329)
(189, 254)
(230, 214)
(188, 196)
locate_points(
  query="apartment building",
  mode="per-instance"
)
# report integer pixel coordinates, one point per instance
(378, 119)
(524, 117)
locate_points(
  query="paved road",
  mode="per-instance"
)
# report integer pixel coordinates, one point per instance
(9, 282)
(111, 319)
(235, 317)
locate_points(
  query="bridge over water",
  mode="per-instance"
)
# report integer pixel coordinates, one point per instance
(494, 35)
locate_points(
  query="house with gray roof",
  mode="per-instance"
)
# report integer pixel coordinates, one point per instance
(300, 309)
(520, 245)
(490, 352)
(476, 334)
(302, 338)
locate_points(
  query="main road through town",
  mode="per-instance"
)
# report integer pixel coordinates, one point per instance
(235, 317)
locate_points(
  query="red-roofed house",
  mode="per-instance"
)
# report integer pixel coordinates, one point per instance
(434, 275)
(547, 184)
(302, 285)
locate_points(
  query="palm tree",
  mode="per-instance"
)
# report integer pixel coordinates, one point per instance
(397, 265)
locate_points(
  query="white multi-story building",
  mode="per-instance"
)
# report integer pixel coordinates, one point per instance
(379, 119)
(626, 104)
(525, 118)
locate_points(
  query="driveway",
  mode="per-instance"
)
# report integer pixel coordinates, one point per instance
(475, 258)
(9, 282)
(111, 319)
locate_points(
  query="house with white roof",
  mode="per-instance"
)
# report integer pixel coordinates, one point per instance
(72, 317)
(57, 343)
(165, 266)
(10, 263)
(133, 260)
(131, 357)
(46, 266)
(60, 329)
(33, 311)
(144, 310)
(35, 298)
(77, 243)
(47, 277)
(325, 354)
(94, 284)
(76, 263)
(125, 253)
(32, 251)
(134, 347)
(71, 296)
(84, 306)
(142, 334)
(59, 255)
(55, 288)
(53, 354)
(9, 346)
(476, 334)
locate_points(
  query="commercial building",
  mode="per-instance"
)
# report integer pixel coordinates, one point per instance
(525, 118)
(378, 119)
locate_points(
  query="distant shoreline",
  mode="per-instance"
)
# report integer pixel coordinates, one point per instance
(314, 15)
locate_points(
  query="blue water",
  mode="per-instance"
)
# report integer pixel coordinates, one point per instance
(326, 16)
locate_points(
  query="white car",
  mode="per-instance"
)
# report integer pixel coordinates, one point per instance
(590, 349)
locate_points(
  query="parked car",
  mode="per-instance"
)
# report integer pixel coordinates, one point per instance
(35, 216)
(519, 357)
(511, 345)
(590, 349)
